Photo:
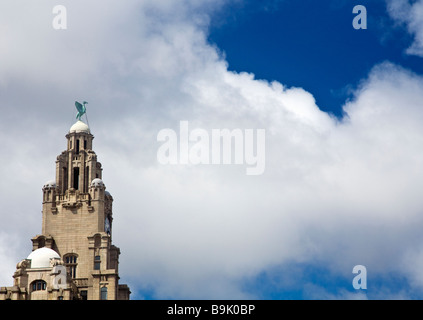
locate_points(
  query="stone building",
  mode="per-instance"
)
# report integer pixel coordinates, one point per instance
(73, 257)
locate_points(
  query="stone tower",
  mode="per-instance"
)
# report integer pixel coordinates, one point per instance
(76, 233)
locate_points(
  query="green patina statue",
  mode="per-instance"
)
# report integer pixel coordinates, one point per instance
(81, 109)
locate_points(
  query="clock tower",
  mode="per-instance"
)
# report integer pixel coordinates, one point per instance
(76, 236)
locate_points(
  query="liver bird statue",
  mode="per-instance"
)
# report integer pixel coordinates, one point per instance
(81, 109)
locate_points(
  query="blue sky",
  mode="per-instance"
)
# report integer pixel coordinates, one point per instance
(311, 44)
(337, 191)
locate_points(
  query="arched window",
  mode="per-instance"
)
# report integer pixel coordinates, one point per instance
(97, 241)
(38, 285)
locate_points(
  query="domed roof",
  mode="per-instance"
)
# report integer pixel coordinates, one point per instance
(50, 184)
(97, 183)
(108, 195)
(79, 126)
(41, 257)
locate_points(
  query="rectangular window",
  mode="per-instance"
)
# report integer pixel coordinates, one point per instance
(73, 272)
(65, 179)
(97, 263)
(84, 295)
(104, 293)
(76, 178)
(39, 285)
(86, 171)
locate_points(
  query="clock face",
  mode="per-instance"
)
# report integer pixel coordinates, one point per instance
(107, 225)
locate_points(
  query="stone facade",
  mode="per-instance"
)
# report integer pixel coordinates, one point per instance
(79, 260)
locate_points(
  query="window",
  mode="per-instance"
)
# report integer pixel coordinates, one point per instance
(71, 259)
(65, 179)
(97, 241)
(97, 262)
(76, 178)
(103, 293)
(71, 264)
(38, 285)
(84, 295)
(86, 171)
(41, 242)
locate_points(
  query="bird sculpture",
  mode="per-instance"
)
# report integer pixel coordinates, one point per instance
(81, 109)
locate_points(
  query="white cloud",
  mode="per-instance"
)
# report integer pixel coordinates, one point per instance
(336, 193)
(409, 13)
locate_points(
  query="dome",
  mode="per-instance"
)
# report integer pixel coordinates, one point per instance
(108, 195)
(79, 126)
(97, 183)
(40, 258)
(50, 184)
